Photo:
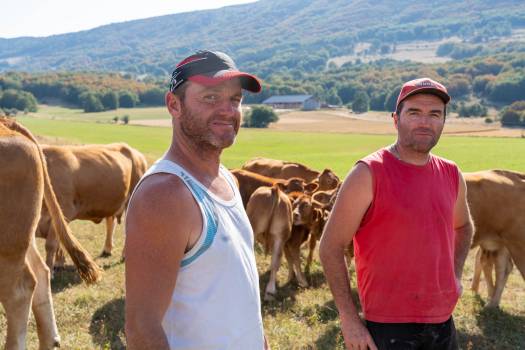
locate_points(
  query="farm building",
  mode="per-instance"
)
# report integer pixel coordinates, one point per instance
(306, 102)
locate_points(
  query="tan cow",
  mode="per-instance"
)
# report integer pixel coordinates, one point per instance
(92, 182)
(497, 205)
(280, 169)
(24, 278)
(270, 214)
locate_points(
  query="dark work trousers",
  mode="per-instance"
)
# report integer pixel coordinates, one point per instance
(414, 336)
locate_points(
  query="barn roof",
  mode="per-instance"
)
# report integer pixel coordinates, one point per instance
(287, 99)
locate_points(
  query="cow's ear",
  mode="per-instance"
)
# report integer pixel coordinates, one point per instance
(311, 187)
(318, 214)
(317, 205)
(281, 186)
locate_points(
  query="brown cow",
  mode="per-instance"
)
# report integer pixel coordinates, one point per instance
(280, 169)
(270, 214)
(249, 181)
(92, 182)
(24, 278)
(497, 205)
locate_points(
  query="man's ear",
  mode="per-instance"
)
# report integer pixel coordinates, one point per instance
(396, 118)
(173, 103)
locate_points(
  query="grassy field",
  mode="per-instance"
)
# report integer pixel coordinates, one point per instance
(299, 318)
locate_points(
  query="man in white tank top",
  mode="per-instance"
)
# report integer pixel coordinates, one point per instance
(191, 278)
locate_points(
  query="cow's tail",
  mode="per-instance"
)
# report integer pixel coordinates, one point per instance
(275, 200)
(86, 266)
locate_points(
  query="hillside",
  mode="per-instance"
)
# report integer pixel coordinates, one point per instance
(266, 36)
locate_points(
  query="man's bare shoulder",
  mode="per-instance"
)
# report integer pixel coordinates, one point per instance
(162, 203)
(162, 189)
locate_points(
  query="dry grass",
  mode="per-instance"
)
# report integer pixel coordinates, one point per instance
(299, 318)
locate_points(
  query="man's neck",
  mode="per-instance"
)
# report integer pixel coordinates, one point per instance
(408, 155)
(202, 164)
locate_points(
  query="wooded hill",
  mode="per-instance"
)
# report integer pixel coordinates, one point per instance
(265, 37)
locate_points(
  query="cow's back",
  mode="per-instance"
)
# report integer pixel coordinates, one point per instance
(280, 169)
(91, 182)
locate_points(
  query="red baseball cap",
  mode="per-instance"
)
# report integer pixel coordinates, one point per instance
(423, 85)
(210, 68)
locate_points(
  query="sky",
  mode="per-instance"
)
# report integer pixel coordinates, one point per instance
(48, 17)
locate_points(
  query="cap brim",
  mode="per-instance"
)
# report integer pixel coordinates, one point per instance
(428, 90)
(248, 82)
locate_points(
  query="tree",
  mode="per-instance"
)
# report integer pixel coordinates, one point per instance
(110, 100)
(361, 102)
(18, 99)
(153, 97)
(128, 99)
(260, 117)
(90, 102)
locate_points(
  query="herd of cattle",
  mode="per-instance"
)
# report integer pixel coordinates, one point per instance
(42, 188)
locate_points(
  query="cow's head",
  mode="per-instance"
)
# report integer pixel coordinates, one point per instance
(327, 180)
(303, 210)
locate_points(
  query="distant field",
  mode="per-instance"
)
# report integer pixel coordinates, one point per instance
(300, 318)
(319, 150)
(63, 113)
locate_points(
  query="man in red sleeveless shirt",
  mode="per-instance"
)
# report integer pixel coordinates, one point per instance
(406, 211)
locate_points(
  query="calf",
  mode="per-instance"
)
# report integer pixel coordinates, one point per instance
(270, 214)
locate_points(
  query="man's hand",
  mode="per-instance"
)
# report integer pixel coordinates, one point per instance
(357, 337)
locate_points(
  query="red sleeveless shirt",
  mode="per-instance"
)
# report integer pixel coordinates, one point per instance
(404, 247)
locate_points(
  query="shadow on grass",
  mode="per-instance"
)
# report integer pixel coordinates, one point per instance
(64, 278)
(500, 329)
(331, 339)
(107, 325)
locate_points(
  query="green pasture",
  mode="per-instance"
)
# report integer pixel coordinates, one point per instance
(318, 150)
(92, 317)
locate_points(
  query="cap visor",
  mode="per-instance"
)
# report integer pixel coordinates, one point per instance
(248, 82)
(428, 90)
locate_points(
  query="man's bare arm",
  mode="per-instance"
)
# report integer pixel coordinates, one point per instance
(463, 228)
(160, 218)
(352, 202)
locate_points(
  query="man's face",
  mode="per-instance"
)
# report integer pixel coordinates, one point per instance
(210, 116)
(421, 122)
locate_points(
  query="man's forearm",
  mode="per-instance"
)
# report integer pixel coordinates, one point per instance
(463, 241)
(338, 278)
(145, 338)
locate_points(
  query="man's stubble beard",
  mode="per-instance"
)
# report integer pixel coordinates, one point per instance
(200, 135)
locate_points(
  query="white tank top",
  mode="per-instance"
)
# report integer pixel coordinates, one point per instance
(215, 303)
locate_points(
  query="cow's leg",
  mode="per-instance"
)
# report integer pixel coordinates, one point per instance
(16, 305)
(60, 258)
(487, 263)
(277, 250)
(295, 251)
(311, 247)
(517, 251)
(503, 266)
(477, 272)
(51, 246)
(42, 302)
(288, 257)
(111, 224)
